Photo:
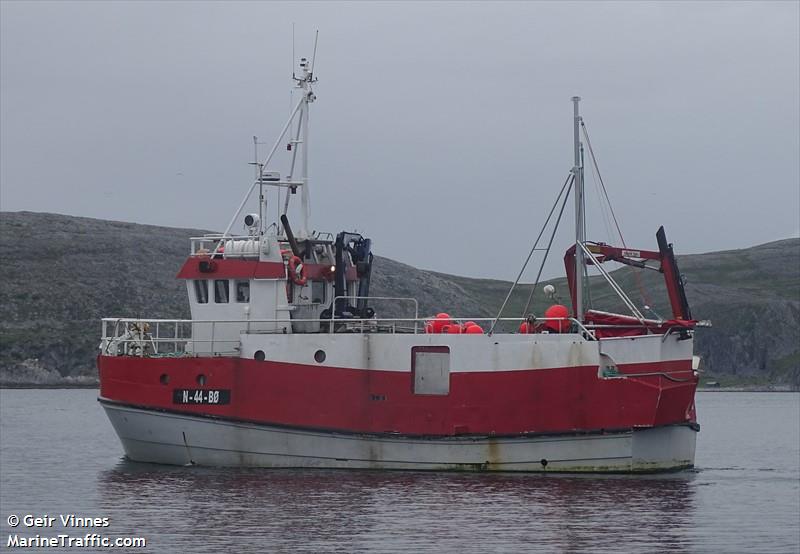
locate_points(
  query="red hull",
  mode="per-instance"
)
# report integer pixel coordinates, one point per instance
(562, 400)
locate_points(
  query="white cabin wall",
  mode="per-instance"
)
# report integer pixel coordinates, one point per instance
(268, 301)
(270, 250)
(468, 353)
(221, 336)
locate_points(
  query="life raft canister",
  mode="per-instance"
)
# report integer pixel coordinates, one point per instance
(297, 271)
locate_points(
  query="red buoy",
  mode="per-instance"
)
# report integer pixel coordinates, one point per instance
(474, 330)
(525, 328)
(559, 318)
(441, 320)
(455, 329)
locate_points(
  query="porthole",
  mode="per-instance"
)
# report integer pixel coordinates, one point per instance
(319, 356)
(201, 379)
(260, 356)
(164, 379)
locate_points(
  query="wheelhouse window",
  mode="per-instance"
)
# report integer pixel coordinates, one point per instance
(243, 291)
(221, 291)
(318, 291)
(201, 291)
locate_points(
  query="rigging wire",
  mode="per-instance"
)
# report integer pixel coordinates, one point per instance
(606, 219)
(568, 180)
(600, 177)
(636, 272)
(604, 215)
(583, 279)
(547, 251)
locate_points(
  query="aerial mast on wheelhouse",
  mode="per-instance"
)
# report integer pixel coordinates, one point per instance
(580, 218)
(299, 137)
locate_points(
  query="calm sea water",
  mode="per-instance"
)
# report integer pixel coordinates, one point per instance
(59, 455)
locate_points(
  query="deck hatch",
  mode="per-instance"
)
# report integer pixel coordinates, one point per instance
(430, 369)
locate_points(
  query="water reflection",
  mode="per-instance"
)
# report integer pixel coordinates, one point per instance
(324, 510)
(58, 454)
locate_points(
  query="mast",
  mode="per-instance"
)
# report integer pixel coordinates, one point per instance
(299, 114)
(259, 179)
(304, 83)
(577, 171)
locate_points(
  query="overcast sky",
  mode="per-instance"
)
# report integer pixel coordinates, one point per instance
(443, 131)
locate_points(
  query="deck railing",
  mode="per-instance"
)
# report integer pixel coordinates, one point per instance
(246, 246)
(176, 337)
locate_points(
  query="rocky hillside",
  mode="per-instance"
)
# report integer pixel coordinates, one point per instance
(61, 274)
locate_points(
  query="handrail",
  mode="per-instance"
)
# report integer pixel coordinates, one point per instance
(322, 320)
(663, 374)
(140, 332)
(148, 337)
(335, 298)
(208, 245)
(414, 300)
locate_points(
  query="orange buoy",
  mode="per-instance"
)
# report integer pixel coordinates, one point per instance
(474, 329)
(559, 318)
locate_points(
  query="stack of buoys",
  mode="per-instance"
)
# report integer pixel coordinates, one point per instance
(558, 319)
(437, 324)
(474, 329)
(443, 324)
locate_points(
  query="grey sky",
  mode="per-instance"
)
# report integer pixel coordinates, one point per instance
(443, 131)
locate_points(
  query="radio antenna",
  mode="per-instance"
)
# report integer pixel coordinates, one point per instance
(293, 58)
(314, 56)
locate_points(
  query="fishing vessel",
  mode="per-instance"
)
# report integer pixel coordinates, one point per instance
(287, 361)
